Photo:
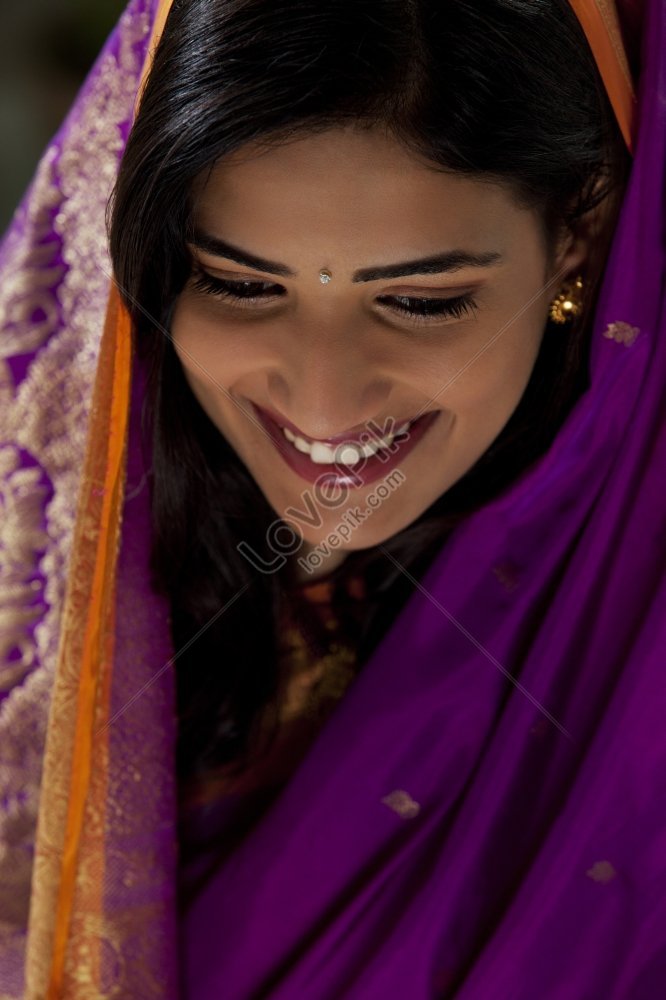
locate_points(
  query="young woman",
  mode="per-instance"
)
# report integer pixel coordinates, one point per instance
(353, 689)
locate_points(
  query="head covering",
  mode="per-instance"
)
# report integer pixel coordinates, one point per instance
(484, 812)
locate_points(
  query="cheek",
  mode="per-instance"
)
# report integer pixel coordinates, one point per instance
(488, 373)
(211, 353)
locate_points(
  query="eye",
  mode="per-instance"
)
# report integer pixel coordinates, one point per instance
(247, 294)
(421, 309)
(242, 293)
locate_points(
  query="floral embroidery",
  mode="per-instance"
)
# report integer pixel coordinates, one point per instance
(402, 803)
(601, 871)
(623, 333)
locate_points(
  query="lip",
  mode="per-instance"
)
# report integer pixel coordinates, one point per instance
(365, 472)
(349, 435)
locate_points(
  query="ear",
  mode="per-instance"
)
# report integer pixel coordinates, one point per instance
(577, 244)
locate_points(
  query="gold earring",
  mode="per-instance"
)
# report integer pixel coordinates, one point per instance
(569, 302)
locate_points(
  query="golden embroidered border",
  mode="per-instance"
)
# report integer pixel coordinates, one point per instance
(75, 695)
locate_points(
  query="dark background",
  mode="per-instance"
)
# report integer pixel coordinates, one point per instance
(46, 50)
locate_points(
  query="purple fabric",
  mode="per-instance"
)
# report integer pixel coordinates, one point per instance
(484, 815)
(140, 875)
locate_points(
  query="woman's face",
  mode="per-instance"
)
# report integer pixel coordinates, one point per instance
(269, 344)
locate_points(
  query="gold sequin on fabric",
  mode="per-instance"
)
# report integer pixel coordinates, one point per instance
(623, 333)
(601, 871)
(54, 280)
(402, 803)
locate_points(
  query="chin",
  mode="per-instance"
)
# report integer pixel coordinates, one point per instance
(348, 539)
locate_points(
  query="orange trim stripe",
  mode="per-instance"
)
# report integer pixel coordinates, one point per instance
(95, 640)
(599, 21)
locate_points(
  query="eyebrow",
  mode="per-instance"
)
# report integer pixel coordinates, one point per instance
(440, 263)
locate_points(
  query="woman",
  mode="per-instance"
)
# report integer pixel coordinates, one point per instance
(307, 736)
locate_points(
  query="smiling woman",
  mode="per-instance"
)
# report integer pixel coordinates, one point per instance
(353, 684)
(371, 346)
(354, 171)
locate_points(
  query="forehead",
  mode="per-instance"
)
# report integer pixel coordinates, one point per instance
(355, 191)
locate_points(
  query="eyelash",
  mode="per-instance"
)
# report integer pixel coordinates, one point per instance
(458, 306)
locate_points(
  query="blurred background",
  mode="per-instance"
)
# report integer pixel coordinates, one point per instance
(46, 50)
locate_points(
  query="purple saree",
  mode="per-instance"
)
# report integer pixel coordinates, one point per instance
(483, 815)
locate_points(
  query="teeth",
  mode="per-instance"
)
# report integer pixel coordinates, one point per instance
(348, 454)
(321, 454)
(301, 445)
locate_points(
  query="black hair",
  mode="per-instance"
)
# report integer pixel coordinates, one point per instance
(505, 90)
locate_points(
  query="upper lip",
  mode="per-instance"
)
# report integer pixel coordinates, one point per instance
(349, 435)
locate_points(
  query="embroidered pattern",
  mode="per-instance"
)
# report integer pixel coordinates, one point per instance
(623, 333)
(402, 803)
(601, 871)
(54, 272)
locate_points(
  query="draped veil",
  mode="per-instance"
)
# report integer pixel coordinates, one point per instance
(519, 761)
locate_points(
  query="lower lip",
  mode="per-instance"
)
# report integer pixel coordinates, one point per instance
(374, 468)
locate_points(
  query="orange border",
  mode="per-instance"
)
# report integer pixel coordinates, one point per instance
(599, 21)
(96, 647)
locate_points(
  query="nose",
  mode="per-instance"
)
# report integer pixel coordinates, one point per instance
(327, 382)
